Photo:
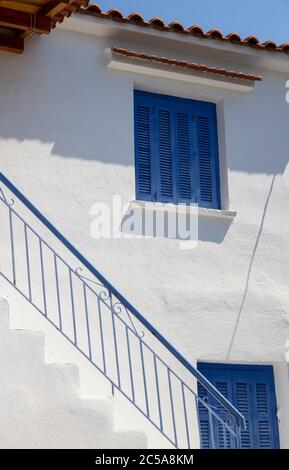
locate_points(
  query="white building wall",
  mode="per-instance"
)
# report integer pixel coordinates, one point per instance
(67, 141)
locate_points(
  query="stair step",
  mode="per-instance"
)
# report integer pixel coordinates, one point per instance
(41, 405)
(20, 346)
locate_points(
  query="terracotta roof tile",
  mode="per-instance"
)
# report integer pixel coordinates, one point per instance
(233, 37)
(135, 18)
(269, 45)
(215, 34)
(176, 27)
(115, 14)
(186, 65)
(252, 40)
(284, 47)
(157, 22)
(195, 29)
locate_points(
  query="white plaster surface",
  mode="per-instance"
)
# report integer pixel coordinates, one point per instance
(66, 140)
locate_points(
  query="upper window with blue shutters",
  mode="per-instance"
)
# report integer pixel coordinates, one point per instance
(176, 150)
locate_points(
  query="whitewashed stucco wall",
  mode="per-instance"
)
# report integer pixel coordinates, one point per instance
(66, 140)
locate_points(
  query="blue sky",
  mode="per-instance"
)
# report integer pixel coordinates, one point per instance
(267, 19)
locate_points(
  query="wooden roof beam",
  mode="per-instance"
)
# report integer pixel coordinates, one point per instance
(11, 43)
(25, 21)
(53, 7)
(19, 5)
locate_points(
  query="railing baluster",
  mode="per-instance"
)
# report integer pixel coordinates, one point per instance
(158, 393)
(130, 364)
(87, 320)
(12, 245)
(101, 337)
(238, 436)
(211, 429)
(27, 262)
(57, 290)
(144, 377)
(197, 400)
(185, 413)
(225, 435)
(42, 277)
(172, 407)
(72, 306)
(115, 340)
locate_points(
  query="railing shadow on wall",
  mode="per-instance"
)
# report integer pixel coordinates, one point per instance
(49, 272)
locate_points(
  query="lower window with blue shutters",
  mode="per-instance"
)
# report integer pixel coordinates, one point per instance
(251, 390)
(176, 149)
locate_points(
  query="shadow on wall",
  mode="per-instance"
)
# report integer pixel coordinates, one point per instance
(62, 98)
(85, 111)
(213, 230)
(182, 227)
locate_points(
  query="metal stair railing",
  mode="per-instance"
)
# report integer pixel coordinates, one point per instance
(104, 327)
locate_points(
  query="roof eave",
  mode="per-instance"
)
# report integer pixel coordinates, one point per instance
(109, 28)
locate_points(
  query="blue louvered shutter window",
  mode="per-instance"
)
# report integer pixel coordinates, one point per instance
(243, 402)
(204, 424)
(164, 158)
(219, 435)
(185, 153)
(144, 131)
(251, 390)
(207, 155)
(264, 409)
(223, 437)
(176, 150)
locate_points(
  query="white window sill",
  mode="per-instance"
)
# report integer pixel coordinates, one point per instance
(183, 209)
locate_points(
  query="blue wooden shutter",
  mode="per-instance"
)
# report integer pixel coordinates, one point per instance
(144, 146)
(208, 193)
(205, 433)
(184, 153)
(243, 402)
(166, 184)
(222, 380)
(174, 131)
(224, 438)
(264, 409)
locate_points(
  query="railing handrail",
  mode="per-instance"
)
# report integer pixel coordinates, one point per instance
(239, 418)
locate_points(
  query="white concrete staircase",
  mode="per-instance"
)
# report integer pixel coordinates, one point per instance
(40, 403)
